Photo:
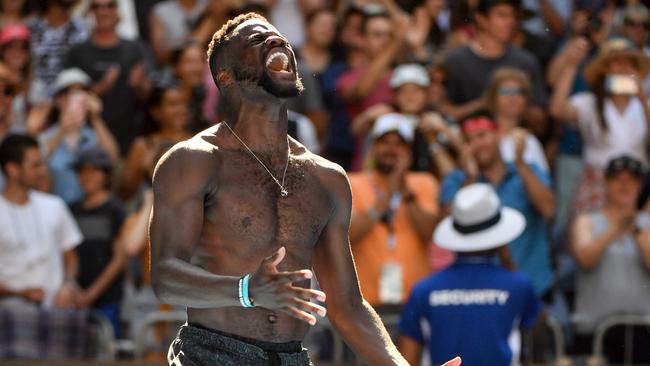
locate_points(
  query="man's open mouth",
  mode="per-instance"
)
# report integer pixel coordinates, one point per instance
(278, 62)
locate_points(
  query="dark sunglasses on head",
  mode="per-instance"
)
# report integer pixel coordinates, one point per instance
(108, 5)
(506, 91)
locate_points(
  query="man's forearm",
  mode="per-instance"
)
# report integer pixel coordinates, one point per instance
(423, 221)
(177, 282)
(540, 195)
(364, 331)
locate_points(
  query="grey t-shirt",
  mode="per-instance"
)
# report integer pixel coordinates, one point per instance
(619, 283)
(469, 73)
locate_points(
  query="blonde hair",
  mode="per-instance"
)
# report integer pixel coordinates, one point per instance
(498, 77)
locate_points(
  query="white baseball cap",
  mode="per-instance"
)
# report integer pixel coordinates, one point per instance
(394, 122)
(410, 73)
(71, 76)
(478, 221)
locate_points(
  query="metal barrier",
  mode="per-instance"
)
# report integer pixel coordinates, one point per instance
(106, 343)
(610, 322)
(152, 319)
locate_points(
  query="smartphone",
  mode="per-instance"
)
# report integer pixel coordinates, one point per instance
(621, 85)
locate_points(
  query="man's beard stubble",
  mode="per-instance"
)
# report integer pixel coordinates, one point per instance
(247, 76)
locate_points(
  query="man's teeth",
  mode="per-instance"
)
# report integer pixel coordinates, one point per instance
(284, 58)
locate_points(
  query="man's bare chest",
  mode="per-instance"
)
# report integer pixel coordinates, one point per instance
(248, 206)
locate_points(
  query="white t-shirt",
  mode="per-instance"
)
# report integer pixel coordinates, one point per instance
(627, 133)
(533, 151)
(33, 238)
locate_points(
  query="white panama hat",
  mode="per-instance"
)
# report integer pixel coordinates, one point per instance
(478, 221)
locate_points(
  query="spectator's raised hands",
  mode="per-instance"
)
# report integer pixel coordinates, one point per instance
(418, 29)
(432, 124)
(108, 80)
(519, 135)
(577, 50)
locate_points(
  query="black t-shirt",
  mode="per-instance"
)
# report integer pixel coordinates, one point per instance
(99, 226)
(469, 73)
(121, 106)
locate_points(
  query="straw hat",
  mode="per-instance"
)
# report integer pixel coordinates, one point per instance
(611, 48)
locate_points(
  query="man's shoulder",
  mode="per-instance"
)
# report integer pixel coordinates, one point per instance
(458, 53)
(419, 178)
(327, 168)
(50, 201)
(520, 56)
(189, 155)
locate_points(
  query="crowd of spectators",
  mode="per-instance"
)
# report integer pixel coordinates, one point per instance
(546, 101)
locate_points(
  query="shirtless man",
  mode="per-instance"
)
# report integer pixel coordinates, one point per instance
(220, 213)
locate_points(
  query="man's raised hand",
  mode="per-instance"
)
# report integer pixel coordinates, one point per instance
(273, 289)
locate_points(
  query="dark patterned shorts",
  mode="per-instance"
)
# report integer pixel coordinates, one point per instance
(197, 346)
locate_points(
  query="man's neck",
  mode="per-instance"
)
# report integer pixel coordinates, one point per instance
(487, 46)
(620, 102)
(57, 16)
(95, 199)
(16, 193)
(187, 4)
(494, 172)
(260, 121)
(105, 38)
(505, 123)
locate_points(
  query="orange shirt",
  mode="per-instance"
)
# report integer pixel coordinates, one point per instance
(373, 251)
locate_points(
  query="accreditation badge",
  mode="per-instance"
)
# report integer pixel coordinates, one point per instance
(390, 283)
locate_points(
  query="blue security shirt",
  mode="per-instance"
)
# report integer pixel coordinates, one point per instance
(530, 251)
(469, 310)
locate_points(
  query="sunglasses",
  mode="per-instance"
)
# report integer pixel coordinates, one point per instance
(506, 91)
(8, 90)
(108, 5)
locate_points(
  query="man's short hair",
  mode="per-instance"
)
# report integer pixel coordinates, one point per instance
(370, 14)
(12, 149)
(221, 39)
(484, 6)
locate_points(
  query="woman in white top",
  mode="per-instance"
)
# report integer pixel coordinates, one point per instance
(612, 119)
(507, 97)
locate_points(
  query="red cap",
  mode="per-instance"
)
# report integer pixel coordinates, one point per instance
(478, 123)
(14, 32)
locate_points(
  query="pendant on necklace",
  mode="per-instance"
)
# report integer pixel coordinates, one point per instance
(283, 192)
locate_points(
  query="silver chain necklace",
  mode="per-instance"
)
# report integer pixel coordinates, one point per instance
(283, 189)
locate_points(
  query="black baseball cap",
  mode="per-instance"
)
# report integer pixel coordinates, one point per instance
(94, 157)
(623, 164)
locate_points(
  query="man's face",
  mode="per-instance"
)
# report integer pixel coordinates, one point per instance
(388, 149)
(510, 99)
(636, 30)
(622, 65)
(411, 98)
(500, 22)
(377, 34)
(92, 179)
(623, 189)
(105, 12)
(32, 170)
(484, 144)
(261, 57)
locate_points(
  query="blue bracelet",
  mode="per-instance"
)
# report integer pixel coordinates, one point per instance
(244, 297)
